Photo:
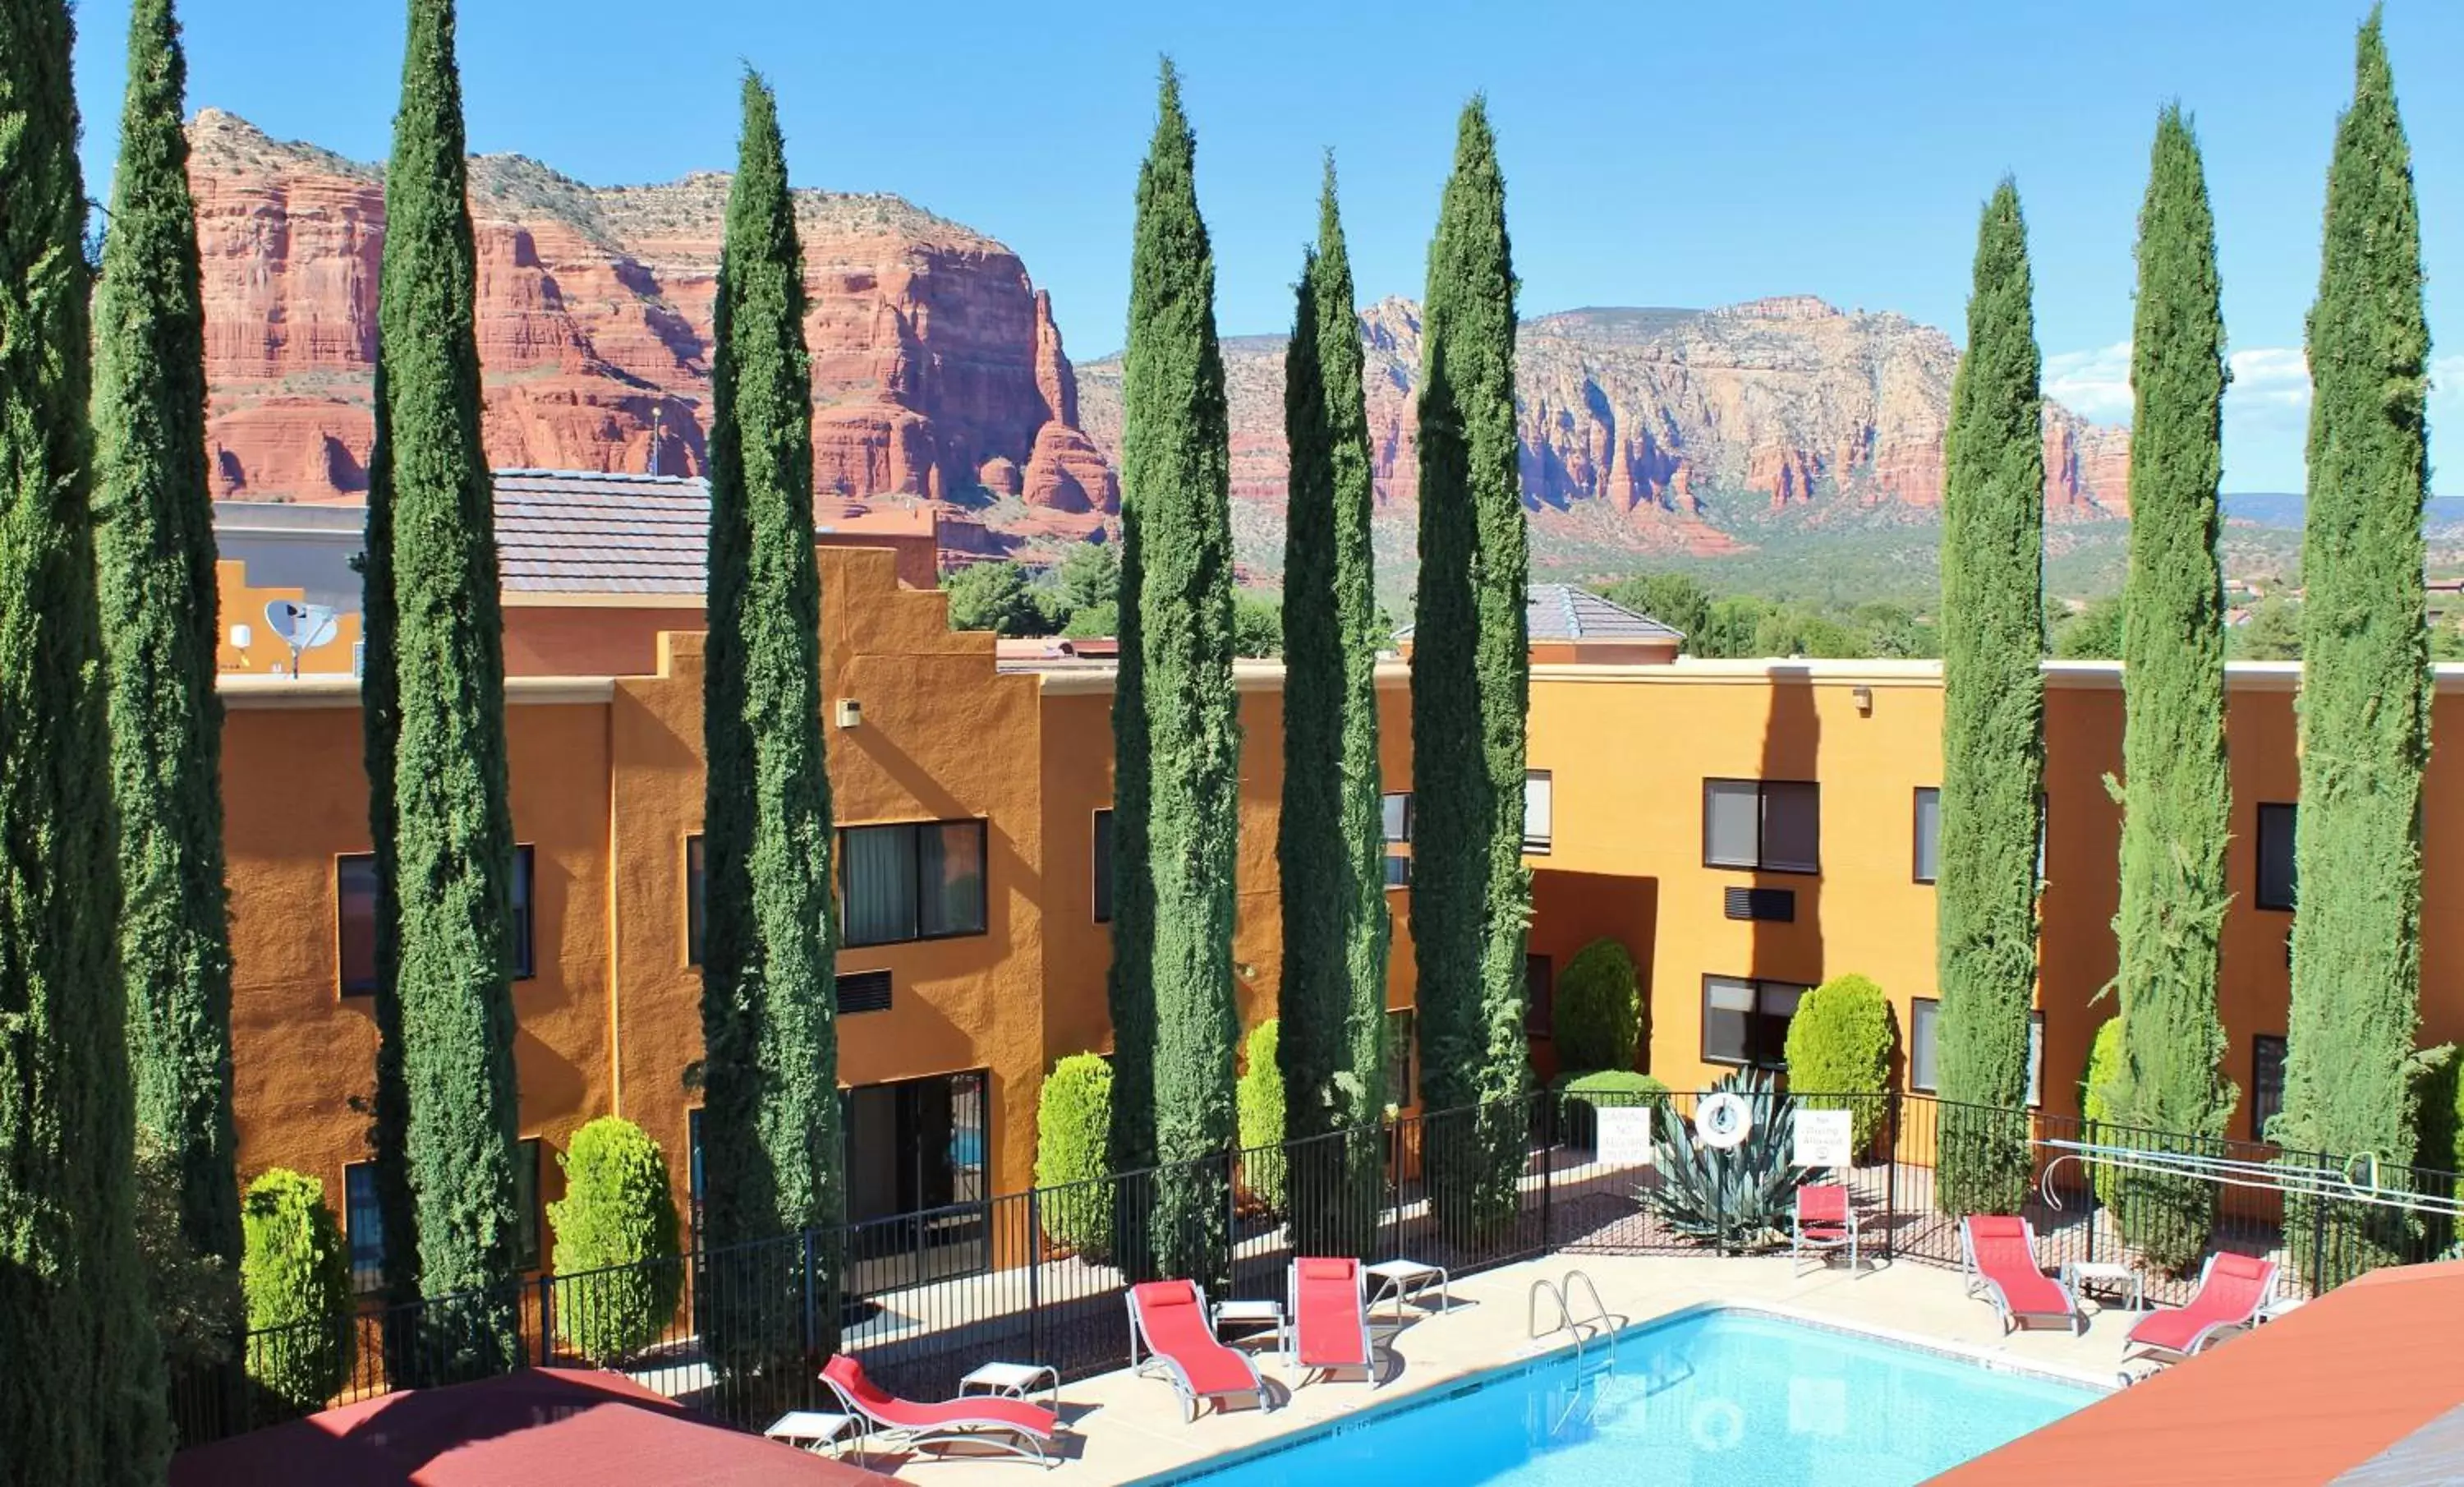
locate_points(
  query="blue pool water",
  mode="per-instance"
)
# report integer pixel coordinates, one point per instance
(1706, 1398)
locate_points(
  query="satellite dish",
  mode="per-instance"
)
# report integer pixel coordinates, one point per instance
(303, 627)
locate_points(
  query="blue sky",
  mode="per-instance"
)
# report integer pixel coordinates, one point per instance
(1656, 153)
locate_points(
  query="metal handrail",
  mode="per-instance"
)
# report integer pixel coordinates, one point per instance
(1531, 1312)
(2357, 1182)
(1598, 1322)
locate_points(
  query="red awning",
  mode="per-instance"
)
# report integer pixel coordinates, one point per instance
(2300, 1400)
(541, 1428)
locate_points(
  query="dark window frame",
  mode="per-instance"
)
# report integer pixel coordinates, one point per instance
(1755, 1018)
(1101, 843)
(984, 875)
(343, 984)
(525, 895)
(1405, 1093)
(530, 1220)
(2259, 898)
(1539, 1011)
(1762, 822)
(1399, 871)
(373, 1266)
(697, 897)
(1916, 828)
(2262, 1109)
(2036, 1050)
(1405, 796)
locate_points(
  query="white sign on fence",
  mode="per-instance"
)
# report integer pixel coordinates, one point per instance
(1823, 1139)
(1622, 1136)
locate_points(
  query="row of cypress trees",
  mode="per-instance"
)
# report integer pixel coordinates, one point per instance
(2364, 706)
(1177, 733)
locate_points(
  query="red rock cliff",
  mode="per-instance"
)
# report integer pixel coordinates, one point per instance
(934, 356)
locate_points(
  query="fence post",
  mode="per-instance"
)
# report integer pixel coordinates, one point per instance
(1547, 1163)
(1035, 1271)
(2318, 1240)
(547, 1320)
(811, 1339)
(1232, 1219)
(1891, 1180)
(2092, 1195)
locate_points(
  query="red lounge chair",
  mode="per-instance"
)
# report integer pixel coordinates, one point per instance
(1330, 1311)
(1825, 1222)
(2232, 1288)
(1168, 1321)
(1998, 1261)
(1010, 1425)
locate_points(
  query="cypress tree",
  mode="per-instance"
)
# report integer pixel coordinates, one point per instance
(154, 541)
(81, 1391)
(1175, 470)
(453, 838)
(1993, 726)
(1470, 688)
(1330, 846)
(2366, 679)
(771, 1144)
(2176, 801)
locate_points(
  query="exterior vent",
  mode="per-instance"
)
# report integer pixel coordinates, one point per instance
(864, 991)
(1778, 905)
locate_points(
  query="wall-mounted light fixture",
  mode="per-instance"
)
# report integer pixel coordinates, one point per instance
(850, 713)
(1864, 697)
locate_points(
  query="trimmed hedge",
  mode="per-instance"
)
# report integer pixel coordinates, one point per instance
(1579, 1095)
(1259, 1096)
(1072, 1118)
(1599, 1022)
(616, 1217)
(2095, 1100)
(1839, 1052)
(295, 1270)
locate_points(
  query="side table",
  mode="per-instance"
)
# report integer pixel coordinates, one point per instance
(814, 1430)
(1255, 1314)
(1015, 1380)
(1402, 1279)
(2079, 1275)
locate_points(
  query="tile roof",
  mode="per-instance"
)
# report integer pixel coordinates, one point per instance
(563, 531)
(1562, 611)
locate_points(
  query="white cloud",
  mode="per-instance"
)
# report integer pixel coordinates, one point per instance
(2092, 384)
(2269, 378)
(2447, 385)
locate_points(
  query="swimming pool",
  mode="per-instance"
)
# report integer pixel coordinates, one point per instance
(1705, 1397)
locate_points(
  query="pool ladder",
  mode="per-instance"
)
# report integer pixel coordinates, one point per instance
(1598, 1322)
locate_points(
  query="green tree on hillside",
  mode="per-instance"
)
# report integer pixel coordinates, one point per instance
(2177, 806)
(2273, 632)
(1471, 895)
(1330, 849)
(80, 1367)
(994, 596)
(2092, 634)
(1675, 599)
(154, 542)
(2366, 689)
(453, 837)
(1173, 1004)
(1994, 738)
(1090, 577)
(771, 1149)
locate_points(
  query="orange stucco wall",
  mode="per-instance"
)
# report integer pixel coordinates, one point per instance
(243, 604)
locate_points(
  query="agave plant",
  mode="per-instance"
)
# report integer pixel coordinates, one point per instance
(1741, 1198)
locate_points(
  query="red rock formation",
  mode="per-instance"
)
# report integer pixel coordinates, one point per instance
(936, 366)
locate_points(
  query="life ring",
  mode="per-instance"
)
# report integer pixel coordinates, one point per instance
(1722, 1121)
(1718, 1425)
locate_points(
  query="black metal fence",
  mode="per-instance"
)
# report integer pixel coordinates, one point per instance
(923, 1297)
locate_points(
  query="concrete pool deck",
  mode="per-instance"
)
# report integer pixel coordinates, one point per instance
(1122, 1428)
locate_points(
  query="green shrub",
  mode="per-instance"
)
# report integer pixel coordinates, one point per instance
(296, 1273)
(2096, 1103)
(1072, 1118)
(1600, 1008)
(2438, 1111)
(1259, 1096)
(1580, 1094)
(1839, 1052)
(615, 1242)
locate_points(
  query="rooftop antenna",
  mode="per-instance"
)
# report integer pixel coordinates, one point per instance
(303, 627)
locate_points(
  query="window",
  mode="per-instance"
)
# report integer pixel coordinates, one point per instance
(1746, 1021)
(1928, 824)
(364, 1224)
(862, 992)
(1928, 854)
(526, 1204)
(2276, 878)
(2266, 1081)
(1401, 1030)
(916, 880)
(355, 921)
(525, 867)
(696, 898)
(1104, 866)
(1925, 1063)
(1398, 872)
(1395, 812)
(1539, 996)
(1769, 826)
(693, 1167)
(1537, 809)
